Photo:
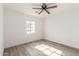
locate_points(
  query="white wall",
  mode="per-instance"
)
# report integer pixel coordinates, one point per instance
(15, 28)
(63, 25)
(1, 29)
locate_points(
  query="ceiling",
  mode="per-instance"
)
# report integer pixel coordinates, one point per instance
(27, 8)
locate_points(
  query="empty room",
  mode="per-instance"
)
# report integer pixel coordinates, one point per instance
(39, 29)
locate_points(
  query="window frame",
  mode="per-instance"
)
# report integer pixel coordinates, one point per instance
(30, 27)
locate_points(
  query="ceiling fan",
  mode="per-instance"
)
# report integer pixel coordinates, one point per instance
(45, 7)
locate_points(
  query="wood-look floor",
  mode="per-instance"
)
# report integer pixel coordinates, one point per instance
(41, 48)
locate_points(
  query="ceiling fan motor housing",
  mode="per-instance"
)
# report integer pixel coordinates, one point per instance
(44, 6)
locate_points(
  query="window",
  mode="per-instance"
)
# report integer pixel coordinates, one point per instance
(30, 27)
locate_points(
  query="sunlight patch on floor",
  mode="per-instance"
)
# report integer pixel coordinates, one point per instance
(48, 50)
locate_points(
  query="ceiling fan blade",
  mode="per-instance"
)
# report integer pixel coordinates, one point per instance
(47, 11)
(37, 8)
(55, 6)
(41, 11)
